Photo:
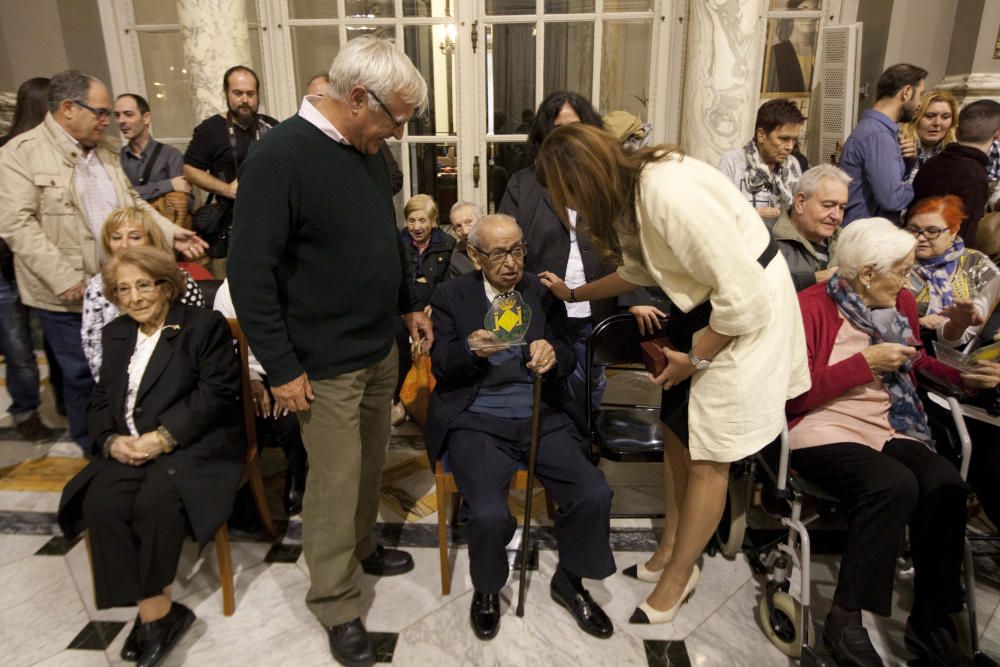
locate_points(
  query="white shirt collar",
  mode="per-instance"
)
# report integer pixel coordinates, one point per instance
(309, 112)
(491, 291)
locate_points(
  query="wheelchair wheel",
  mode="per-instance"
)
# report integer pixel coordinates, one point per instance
(732, 527)
(786, 634)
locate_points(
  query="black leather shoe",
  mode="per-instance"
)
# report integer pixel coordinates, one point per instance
(853, 648)
(156, 638)
(387, 562)
(934, 642)
(575, 598)
(130, 649)
(295, 478)
(485, 614)
(351, 644)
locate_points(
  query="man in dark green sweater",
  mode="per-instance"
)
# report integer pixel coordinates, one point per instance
(317, 274)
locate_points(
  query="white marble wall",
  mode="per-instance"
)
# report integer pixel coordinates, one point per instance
(215, 38)
(722, 60)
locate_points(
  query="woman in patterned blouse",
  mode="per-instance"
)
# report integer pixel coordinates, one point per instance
(946, 272)
(124, 228)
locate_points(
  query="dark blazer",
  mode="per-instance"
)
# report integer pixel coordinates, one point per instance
(192, 387)
(547, 237)
(458, 308)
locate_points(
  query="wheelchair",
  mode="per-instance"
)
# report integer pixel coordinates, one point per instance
(787, 622)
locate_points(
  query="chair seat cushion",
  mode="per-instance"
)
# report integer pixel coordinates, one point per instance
(631, 434)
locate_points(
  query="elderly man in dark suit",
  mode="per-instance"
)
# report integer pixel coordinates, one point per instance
(480, 413)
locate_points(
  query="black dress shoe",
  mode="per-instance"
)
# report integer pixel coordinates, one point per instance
(295, 481)
(575, 598)
(351, 644)
(387, 562)
(485, 614)
(130, 649)
(934, 642)
(852, 648)
(156, 638)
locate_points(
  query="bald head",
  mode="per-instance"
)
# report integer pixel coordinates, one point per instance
(493, 244)
(319, 85)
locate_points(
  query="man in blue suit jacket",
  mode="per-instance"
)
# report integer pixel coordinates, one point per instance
(480, 412)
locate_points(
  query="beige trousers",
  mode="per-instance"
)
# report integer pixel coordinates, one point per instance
(346, 433)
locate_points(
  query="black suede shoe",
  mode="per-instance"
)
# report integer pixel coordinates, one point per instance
(852, 647)
(934, 641)
(156, 638)
(485, 614)
(575, 598)
(351, 644)
(130, 649)
(387, 562)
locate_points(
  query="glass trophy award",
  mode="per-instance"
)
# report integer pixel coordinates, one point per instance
(506, 321)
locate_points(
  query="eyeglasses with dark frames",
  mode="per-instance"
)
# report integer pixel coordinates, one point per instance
(100, 112)
(929, 233)
(395, 121)
(499, 256)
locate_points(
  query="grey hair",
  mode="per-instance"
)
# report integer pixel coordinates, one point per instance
(69, 84)
(457, 206)
(871, 242)
(380, 67)
(809, 181)
(487, 220)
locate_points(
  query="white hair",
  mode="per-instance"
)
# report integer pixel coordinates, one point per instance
(458, 206)
(380, 67)
(871, 242)
(488, 220)
(809, 181)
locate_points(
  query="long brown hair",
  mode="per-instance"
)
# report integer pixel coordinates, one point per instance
(586, 169)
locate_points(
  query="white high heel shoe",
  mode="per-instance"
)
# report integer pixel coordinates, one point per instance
(644, 614)
(642, 573)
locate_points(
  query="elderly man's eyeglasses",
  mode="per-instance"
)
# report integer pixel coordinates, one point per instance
(143, 287)
(499, 256)
(395, 121)
(929, 233)
(100, 112)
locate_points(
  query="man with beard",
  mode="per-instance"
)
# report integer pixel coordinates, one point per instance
(154, 169)
(221, 142)
(871, 155)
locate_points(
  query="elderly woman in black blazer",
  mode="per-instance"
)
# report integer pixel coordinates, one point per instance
(167, 438)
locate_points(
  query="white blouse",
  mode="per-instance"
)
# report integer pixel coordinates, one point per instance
(144, 346)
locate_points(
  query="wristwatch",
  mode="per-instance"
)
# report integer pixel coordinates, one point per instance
(699, 364)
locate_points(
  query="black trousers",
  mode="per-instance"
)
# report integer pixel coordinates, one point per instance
(484, 451)
(881, 492)
(137, 526)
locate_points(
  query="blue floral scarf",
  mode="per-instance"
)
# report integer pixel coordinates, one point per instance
(886, 325)
(936, 273)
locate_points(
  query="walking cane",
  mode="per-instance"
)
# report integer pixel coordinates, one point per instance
(536, 404)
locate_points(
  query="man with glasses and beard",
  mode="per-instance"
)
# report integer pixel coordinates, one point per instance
(871, 155)
(221, 142)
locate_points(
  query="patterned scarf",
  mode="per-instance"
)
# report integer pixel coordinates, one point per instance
(759, 176)
(936, 272)
(886, 325)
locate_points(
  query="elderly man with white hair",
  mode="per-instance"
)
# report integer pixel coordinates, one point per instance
(317, 274)
(861, 433)
(807, 232)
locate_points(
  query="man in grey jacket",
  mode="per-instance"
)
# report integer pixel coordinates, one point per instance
(807, 232)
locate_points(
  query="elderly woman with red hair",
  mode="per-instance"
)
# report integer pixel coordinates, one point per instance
(947, 274)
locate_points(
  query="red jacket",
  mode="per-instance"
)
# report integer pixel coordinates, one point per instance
(822, 321)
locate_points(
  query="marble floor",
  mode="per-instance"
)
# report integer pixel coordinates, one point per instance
(47, 613)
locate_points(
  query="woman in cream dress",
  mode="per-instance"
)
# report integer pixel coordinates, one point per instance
(678, 223)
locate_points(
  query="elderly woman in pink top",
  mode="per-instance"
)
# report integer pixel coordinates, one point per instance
(860, 432)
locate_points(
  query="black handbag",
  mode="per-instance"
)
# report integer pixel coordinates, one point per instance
(213, 222)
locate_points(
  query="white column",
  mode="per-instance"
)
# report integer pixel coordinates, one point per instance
(215, 38)
(973, 68)
(721, 75)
